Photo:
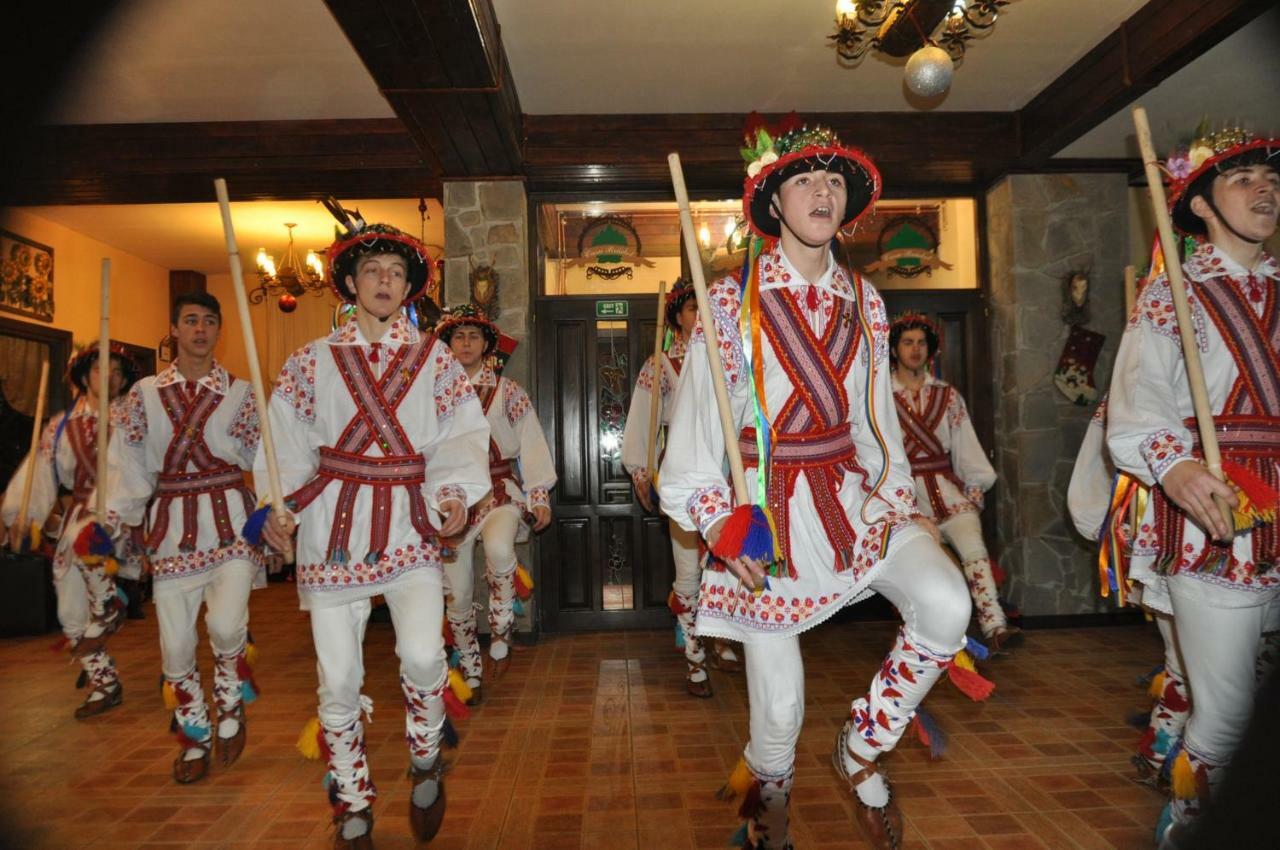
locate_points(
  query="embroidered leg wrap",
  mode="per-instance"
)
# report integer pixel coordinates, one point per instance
(880, 717)
(100, 671)
(502, 620)
(227, 690)
(348, 781)
(686, 610)
(1168, 717)
(766, 809)
(463, 627)
(1189, 801)
(982, 587)
(192, 715)
(424, 717)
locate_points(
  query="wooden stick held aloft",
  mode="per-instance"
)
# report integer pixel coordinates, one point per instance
(658, 372)
(1130, 290)
(24, 505)
(104, 394)
(1182, 309)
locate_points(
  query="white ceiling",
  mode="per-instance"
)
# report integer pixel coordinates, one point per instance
(219, 60)
(620, 56)
(189, 236)
(1238, 80)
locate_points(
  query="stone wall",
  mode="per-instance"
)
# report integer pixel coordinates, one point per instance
(1039, 227)
(487, 222)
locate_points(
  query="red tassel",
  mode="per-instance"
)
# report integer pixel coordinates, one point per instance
(997, 575)
(448, 634)
(454, 707)
(1144, 743)
(732, 535)
(1259, 492)
(676, 606)
(970, 682)
(754, 123)
(243, 670)
(60, 644)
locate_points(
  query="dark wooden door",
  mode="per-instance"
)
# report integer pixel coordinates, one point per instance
(605, 563)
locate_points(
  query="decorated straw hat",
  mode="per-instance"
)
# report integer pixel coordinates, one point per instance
(793, 148)
(357, 240)
(681, 291)
(912, 320)
(82, 361)
(1211, 153)
(467, 315)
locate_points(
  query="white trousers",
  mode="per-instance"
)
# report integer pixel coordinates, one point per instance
(963, 533)
(498, 534)
(920, 580)
(417, 612)
(226, 600)
(684, 552)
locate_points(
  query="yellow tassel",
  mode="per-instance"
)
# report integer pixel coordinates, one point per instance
(110, 566)
(459, 686)
(308, 741)
(524, 576)
(251, 654)
(1184, 778)
(35, 537)
(170, 696)
(964, 661)
(739, 781)
(1157, 686)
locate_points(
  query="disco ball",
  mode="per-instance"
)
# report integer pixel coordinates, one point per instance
(929, 71)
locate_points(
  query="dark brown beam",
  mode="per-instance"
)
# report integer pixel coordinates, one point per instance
(441, 66)
(174, 163)
(1157, 40)
(629, 152)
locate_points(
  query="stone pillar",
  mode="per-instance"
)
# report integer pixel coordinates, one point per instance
(1040, 227)
(488, 222)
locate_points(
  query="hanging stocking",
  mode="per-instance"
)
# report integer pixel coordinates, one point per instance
(1074, 375)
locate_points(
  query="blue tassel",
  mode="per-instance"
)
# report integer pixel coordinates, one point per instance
(326, 780)
(122, 596)
(333, 791)
(517, 607)
(977, 650)
(937, 738)
(739, 838)
(679, 636)
(758, 544)
(455, 659)
(1164, 821)
(253, 526)
(247, 692)
(195, 733)
(449, 735)
(1166, 769)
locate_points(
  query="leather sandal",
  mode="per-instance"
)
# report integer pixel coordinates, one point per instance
(881, 825)
(477, 696)
(498, 666)
(1004, 639)
(360, 842)
(186, 771)
(229, 749)
(93, 707)
(720, 662)
(424, 823)
(701, 690)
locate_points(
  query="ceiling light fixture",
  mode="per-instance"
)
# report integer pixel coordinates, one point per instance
(288, 278)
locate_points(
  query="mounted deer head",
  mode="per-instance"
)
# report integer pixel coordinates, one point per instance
(484, 287)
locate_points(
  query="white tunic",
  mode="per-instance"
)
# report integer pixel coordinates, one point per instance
(954, 432)
(1150, 401)
(136, 458)
(695, 491)
(635, 437)
(515, 431)
(55, 469)
(441, 418)
(1092, 478)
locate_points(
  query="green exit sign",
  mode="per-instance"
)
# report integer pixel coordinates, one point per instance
(612, 309)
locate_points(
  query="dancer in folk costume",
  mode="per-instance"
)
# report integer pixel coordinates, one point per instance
(381, 444)
(522, 474)
(950, 468)
(89, 607)
(680, 314)
(1223, 591)
(1103, 502)
(805, 348)
(177, 461)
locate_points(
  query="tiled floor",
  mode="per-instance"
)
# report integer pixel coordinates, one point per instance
(588, 742)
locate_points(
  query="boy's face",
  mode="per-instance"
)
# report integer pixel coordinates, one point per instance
(1247, 197)
(913, 349)
(381, 282)
(812, 205)
(114, 381)
(196, 332)
(688, 317)
(467, 344)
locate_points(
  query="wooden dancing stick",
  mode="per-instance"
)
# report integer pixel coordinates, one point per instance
(274, 490)
(1130, 290)
(1178, 288)
(104, 394)
(658, 372)
(25, 505)
(709, 330)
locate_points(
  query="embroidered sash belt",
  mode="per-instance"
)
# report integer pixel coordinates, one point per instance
(213, 482)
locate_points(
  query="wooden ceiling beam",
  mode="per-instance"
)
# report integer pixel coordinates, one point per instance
(1160, 38)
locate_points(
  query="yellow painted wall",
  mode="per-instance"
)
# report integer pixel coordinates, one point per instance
(139, 290)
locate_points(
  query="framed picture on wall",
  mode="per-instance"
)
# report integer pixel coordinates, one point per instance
(26, 277)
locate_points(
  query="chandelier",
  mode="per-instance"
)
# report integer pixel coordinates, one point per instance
(289, 278)
(934, 33)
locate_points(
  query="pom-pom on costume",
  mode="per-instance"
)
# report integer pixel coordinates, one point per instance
(806, 363)
(90, 608)
(374, 437)
(521, 473)
(1223, 597)
(951, 473)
